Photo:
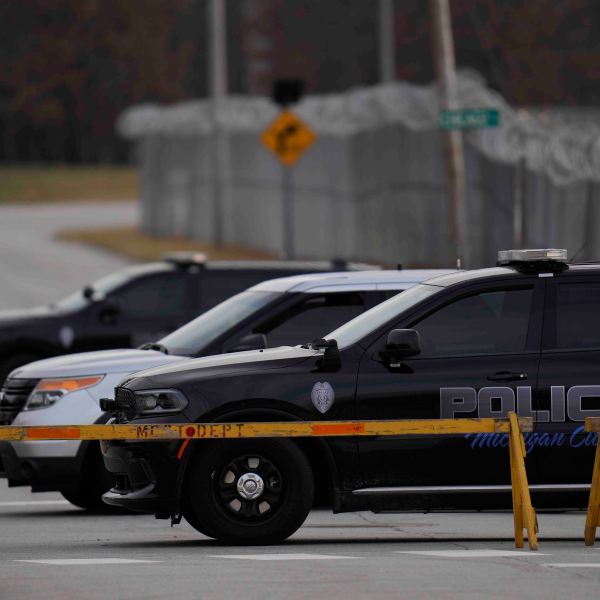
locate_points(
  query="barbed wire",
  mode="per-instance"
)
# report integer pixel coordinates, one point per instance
(564, 145)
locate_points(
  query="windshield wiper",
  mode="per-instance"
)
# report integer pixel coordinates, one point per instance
(331, 360)
(154, 346)
(320, 344)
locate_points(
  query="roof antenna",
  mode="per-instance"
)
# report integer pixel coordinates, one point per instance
(572, 259)
(458, 264)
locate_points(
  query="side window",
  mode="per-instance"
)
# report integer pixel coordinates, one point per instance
(216, 286)
(577, 322)
(312, 318)
(486, 323)
(155, 296)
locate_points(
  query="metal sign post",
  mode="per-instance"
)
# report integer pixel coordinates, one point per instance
(218, 93)
(288, 137)
(289, 244)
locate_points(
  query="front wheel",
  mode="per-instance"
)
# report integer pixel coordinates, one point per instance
(249, 492)
(94, 480)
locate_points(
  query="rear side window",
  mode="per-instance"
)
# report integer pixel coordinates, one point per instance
(156, 296)
(312, 318)
(486, 323)
(577, 316)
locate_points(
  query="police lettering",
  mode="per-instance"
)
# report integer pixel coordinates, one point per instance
(496, 402)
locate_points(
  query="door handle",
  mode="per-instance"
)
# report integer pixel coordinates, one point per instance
(507, 376)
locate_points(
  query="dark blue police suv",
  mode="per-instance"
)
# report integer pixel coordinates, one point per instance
(522, 336)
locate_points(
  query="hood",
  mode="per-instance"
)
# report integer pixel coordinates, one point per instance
(236, 361)
(14, 316)
(95, 363)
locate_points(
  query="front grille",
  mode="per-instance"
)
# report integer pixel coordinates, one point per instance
(13, 396)
(125, 401)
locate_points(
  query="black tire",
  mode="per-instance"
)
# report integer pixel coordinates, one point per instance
(12, 361)
(94, 481)
(215, 507)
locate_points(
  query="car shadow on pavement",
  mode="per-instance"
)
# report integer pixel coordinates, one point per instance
(73, 513)
(332, 541)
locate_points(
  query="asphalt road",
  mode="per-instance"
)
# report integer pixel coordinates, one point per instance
(37, 269)
(51, 550)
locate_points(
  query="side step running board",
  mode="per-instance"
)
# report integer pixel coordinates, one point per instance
(467, 489)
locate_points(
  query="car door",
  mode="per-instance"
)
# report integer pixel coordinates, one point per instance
(569, 381)
(141, 311)
(478, 347)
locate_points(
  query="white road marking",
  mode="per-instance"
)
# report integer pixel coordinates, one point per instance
(35, 503)
(484, 553)
(573, 565)
(294, 556)
(86, 561)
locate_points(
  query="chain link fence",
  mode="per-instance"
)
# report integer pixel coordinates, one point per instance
(373, 187)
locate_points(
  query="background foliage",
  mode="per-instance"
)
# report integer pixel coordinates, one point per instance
(69, 67)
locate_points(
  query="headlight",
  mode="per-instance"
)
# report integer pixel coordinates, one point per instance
(159, 402)
(49, 391)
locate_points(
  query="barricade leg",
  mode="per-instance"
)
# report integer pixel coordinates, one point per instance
(524, 514)
(516, 499)
(593, 511)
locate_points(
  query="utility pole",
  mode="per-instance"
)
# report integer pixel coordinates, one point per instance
(217, 33)
(387, 58)
(443, 50)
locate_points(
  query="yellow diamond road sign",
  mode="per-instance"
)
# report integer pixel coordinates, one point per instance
(288, 137)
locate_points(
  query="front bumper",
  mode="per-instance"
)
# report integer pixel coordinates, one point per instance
(43, 474)
(146, 476)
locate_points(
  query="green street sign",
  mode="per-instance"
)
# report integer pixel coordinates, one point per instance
(470, 118)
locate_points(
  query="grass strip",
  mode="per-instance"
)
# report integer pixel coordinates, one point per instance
(31, 184)
(131, 243)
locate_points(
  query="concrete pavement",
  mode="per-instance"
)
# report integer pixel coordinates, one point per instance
(37, 269)
(52, 550)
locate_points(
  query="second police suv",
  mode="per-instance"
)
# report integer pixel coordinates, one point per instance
(524, 335)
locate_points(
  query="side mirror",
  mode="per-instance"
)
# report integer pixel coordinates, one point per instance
(109, 311)
(252, 341)
(88, 292)
(402, 343)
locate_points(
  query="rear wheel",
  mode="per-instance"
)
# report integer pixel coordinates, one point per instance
(249, 492)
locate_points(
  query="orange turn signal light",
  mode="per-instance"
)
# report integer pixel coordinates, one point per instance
(68, 385)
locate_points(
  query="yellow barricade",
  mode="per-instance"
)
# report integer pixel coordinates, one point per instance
(592, 424)
(524, 514)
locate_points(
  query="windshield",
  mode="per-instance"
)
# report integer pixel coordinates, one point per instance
(353, 331)
(102, 288)
(192, 338)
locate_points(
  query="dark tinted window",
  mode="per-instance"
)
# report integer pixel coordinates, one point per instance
(577, 319)
(312, 318)
(194, 337)
(156, 296)
(480, 324)
(216, 286)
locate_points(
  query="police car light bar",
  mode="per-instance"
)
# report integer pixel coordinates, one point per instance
(554, 259)
(184, 259)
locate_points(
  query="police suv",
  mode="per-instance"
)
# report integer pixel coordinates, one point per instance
(67, 389)
(133, 306)
(522, 336)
